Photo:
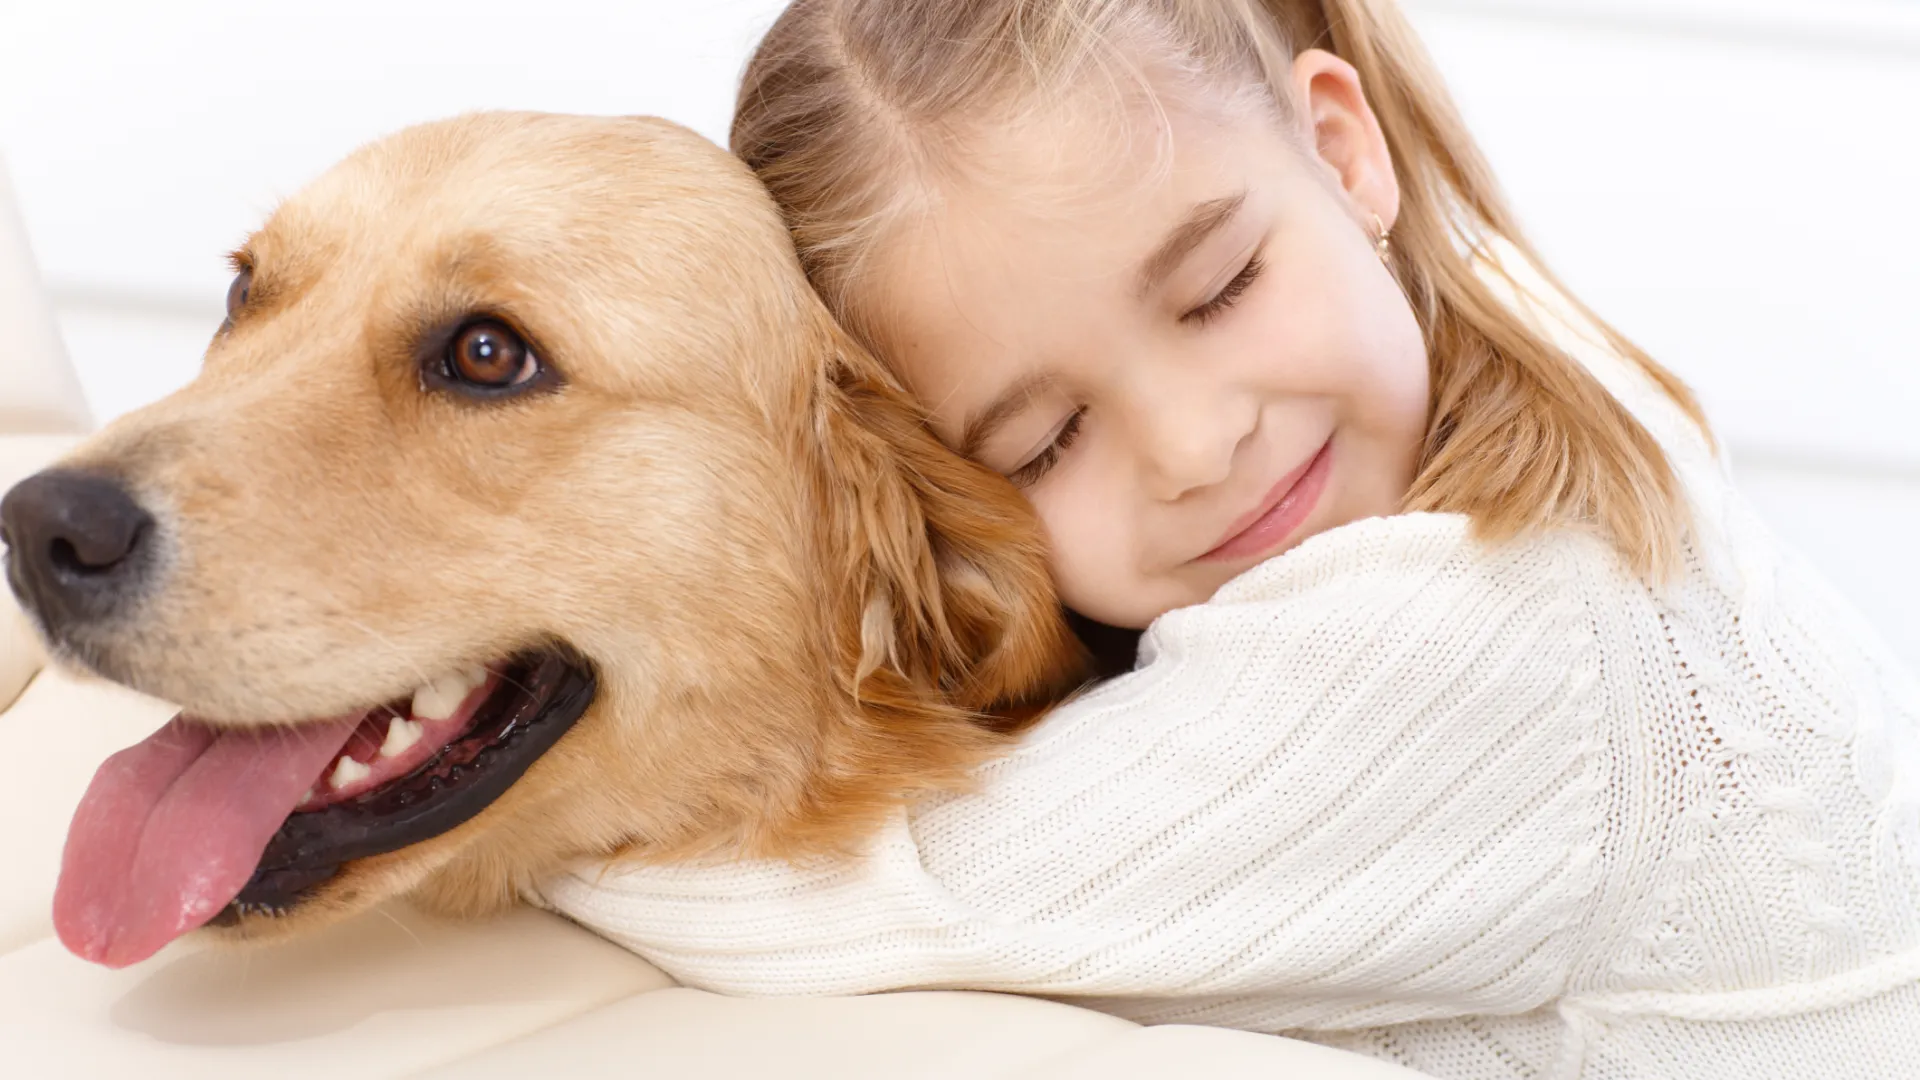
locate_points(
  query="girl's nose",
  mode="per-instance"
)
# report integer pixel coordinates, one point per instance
(1184, 443)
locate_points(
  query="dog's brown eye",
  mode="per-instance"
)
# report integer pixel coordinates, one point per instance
(488, 355)
(238, 292)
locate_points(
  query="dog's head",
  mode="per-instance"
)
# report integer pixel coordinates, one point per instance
(528, 505)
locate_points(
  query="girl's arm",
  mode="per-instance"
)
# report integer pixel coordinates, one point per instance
(1365, 784)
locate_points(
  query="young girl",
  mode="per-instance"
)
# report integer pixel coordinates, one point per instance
(1477, 724)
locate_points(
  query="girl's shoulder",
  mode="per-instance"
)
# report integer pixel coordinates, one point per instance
(1430, 555)
(1396, 606)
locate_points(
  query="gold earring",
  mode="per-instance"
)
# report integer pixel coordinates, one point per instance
(1382, 245)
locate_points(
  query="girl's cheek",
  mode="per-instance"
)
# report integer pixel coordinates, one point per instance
(1083, 539)
(1398, 368)
(1063, 530)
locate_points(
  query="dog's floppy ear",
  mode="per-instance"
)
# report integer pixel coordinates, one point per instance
(945, 556)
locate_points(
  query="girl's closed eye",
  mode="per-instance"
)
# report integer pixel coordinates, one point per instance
(1040, 464)
(1037, 467)
(1228, 294)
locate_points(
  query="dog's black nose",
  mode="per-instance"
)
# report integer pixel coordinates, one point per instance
(78, 546)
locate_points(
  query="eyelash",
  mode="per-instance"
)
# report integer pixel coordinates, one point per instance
(1228, 294)
(1029, 474)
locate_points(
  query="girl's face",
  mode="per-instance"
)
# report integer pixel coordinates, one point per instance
(1181, 342)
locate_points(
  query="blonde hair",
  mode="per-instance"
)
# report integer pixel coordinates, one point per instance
(845, 101)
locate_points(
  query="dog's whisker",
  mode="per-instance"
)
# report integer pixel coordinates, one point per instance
(388, 642)
(510, 680)
(404, 928)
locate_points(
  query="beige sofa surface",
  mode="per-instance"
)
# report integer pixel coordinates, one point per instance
(397, 993)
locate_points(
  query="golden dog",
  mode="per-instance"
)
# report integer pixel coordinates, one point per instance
(528, 506)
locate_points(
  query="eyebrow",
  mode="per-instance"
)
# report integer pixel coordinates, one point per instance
(1201, 222)
(984, 423)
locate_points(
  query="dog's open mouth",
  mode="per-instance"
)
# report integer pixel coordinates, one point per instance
(201, 824)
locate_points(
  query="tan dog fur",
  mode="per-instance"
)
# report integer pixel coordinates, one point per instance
(794, 598)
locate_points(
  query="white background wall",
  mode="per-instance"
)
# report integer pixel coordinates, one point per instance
(1732, 183)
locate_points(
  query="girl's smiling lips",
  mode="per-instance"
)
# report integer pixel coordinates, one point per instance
(1279, 514)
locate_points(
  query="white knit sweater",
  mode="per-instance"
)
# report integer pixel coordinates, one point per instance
(1486, 813)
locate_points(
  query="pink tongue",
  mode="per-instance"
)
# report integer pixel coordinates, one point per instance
(171, 830)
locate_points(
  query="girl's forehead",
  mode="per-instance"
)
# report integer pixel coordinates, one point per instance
(1045, 227)
(1088, 155)
(1052, 195)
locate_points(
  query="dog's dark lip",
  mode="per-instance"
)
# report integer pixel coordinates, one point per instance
(545, 693)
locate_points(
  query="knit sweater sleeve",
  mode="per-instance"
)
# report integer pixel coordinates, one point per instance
(1365, 784)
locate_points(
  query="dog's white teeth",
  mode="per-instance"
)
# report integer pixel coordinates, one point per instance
(347, 771)
(438, 699)
(308, 797)
(401, 735)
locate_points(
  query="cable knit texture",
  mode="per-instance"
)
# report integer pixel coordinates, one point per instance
(1486, 812)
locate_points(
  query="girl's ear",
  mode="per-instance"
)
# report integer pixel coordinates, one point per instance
(1340, 126)
(946, 559)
